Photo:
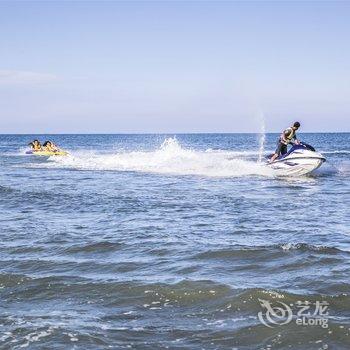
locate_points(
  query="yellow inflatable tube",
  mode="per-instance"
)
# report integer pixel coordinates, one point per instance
(48, 153)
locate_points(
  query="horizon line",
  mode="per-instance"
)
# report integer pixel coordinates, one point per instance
(175, 133)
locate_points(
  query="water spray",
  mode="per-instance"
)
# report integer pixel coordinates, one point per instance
(262, 137)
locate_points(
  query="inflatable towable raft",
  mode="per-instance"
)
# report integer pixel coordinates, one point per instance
(47, 153)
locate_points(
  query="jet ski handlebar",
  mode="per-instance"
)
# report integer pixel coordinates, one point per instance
(309, 147)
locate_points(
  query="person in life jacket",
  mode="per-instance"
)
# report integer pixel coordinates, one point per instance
(288, 136)
(49, 146)
(35, 145)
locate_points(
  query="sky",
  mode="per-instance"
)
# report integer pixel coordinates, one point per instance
(173, 66)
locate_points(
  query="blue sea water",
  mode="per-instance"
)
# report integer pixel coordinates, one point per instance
(170, 241)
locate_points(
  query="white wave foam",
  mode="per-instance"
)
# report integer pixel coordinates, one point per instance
(344, 168)
(336, 152)
(170, 158)
(20, 152)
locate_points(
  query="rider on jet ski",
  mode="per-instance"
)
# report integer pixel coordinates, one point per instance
(288, 136)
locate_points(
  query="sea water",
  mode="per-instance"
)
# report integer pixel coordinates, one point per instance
(172, 241)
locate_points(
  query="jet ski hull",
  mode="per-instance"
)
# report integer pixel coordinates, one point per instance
(299, 166)
(299, 161)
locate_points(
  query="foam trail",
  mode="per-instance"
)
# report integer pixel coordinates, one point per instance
(344, 168)
(262, 137)
(170, 158)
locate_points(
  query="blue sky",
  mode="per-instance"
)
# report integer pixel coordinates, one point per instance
(96, 67)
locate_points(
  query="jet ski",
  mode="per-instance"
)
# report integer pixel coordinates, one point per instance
(300, 160)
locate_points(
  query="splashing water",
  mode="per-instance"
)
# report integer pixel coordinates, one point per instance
(170, 158)
(262, 138)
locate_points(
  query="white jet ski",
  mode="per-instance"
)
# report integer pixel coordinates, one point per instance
(300, 160)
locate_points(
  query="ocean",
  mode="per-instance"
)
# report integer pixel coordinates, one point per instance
(181, 241)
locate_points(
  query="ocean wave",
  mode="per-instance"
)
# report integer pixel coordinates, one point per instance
(11, 280)
(310, 247)
(96, 247)
(190, 314)
(242, 251)
(141, 295)
(6, 189)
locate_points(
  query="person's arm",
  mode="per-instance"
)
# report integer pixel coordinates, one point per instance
(285, 135)
(296, 141)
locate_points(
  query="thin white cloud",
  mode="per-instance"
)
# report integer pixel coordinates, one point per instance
(18, 77)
